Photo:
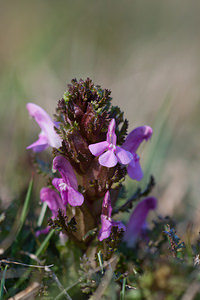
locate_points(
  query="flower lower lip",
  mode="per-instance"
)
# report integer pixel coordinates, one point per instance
(63, 186)
(111, 146)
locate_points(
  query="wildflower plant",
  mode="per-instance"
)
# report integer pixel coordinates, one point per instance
(89, 144)
(92, 153)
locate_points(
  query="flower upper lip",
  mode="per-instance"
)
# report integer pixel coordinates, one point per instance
(106, 221)
(132, 143)
(137, 220)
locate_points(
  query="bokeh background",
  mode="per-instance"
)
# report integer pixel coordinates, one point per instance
(146, 52)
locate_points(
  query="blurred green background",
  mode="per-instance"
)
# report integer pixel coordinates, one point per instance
(146, 52)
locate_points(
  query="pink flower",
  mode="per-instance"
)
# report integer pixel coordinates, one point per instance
(106, 222)
(137, 221)
(48, 136)
(67, 185)
(131, 144)
(54, 202)
(110, 154)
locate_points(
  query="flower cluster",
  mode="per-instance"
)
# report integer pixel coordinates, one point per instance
(90, 145)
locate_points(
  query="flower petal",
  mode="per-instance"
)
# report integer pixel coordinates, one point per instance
(108, 159)
(124, 157)
(106, 226)
(111, 136)
(98, 148)
(40, 145)
(138, 219)
(52, 199)
(136, 137)
(46, 124)
(74, 197)
(59, 185)
(43, 231)
(134, 169)
(56, 182)
(62, 165)
(119, 224)
(106, 205)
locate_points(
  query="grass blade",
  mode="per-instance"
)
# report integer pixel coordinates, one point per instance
(42, 214)
(122, 293)
(38, 252)
(3, 283)
(25, 207)
(100, 261)
(44, 243)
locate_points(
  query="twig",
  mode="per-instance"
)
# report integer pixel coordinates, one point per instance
(191, 291)
(28, 294)
(137, 195)
(103, 284)
(4, 261)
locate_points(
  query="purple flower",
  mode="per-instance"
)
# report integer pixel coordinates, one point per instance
(48, 136)
(43, 231)
(137, 222)
(113, 154)
(67, 185)
(54, 202)
(131, 144)
(106, 222)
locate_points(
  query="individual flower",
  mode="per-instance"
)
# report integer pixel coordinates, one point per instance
(137, 222)
(54, 202)
(48, 136)
(110, 154)
(106, 222)
(131, 144)
(67, 185)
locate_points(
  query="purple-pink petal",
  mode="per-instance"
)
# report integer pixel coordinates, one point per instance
(124, 157)
(98, 148)
(61, 186)
(67, 185)
(106, 205)
(43, 231)
(52, 199)
(119, 224)
(56, 182)
(74, 197)
(46, 124)
(136, 137)
(108, 159)
(40, 145)
(134, 169)
(111, 136)
(106, 222)
(106, 226)
(138, 219)
(62, 165)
